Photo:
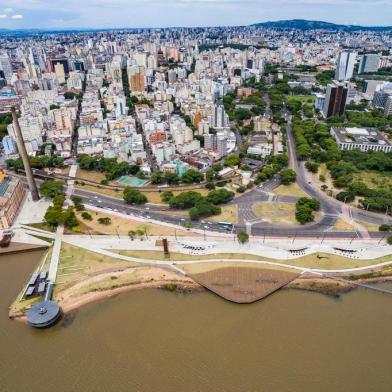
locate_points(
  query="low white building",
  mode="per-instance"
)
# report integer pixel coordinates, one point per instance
(361, 138)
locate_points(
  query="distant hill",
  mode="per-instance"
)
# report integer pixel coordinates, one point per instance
(302, 24)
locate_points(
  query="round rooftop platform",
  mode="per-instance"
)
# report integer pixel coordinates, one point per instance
(43, 314)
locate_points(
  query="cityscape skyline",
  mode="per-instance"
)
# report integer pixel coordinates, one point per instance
(18, 14)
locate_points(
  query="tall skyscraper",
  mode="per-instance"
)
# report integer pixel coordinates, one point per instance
(136, 78)
(5, 66)
(369, 63)
(345, 66)
(219, 117)
(335, 99)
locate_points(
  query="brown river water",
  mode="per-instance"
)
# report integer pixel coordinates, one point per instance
(153, 340)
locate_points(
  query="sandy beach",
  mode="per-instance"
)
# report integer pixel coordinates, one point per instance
(108, 284)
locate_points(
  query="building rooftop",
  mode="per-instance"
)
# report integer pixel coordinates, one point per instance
(360, 136)
(4, 186)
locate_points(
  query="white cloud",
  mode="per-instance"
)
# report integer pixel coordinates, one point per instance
(18, 16)
(3, 16)
(8, 9)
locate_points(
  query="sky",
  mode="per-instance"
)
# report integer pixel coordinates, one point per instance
(164, 13)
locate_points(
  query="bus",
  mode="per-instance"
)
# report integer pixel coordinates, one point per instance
(226, 225)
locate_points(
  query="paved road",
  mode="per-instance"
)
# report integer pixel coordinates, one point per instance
(329, 205)
(258, 228)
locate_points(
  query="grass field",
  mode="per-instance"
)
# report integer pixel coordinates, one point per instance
(300, 98)
(42, 226)
(375, 179)
(280, 213)
(341, 225)
(88, 175)
(368, 226)
(316, 260)
(229, 214)
(109, 192)
(122, 226)
(290, 190)
(206, 267)
(76, 263)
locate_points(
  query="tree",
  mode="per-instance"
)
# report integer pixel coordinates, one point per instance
(105, 220)
(134, 196)
(359, 188)
(241, 189)
(69, 218)
(51, 188)
(389, 240)
(53, 216)
(172, 178)
(192, 176)
(78, 202)
(203, 209)
(385, 227)
(143, 230)
(219, 196)
(210, 175)
(157, 178)
(312, 203)
(345, 197)
(243, 237)
(166, 196)
(217, 167)
(87, 216)
(185, 200)
(232, 160)
(287, 176)
(312, 166)
(132, 234)
(304, 214)
(70, 95)
(304, 209)
(58, 201)
(303, 151)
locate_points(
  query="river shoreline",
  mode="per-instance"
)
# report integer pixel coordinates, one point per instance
(185, 285)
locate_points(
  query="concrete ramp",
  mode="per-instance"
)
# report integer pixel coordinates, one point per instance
(243, 284)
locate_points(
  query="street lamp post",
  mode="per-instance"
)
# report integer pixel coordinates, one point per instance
(295, 236)
(385, 234)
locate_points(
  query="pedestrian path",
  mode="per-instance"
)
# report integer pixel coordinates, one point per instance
(54, 261)
(348, 217)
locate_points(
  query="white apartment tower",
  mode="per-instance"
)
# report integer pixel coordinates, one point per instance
(345, 66)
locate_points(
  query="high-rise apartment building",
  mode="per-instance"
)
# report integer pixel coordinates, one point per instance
(60, 72)
(219, 117)
(345, 66)
(136, 78)
(5, 66)
(369, 63)
(335, 99)
(216, 143)
(64, 121)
